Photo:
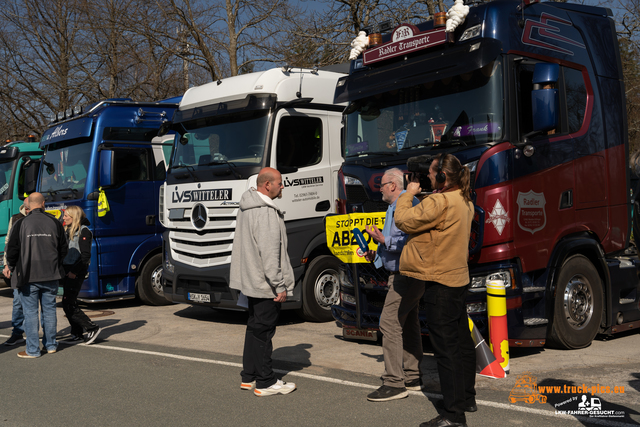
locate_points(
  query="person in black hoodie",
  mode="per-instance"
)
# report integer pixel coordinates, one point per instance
(76, 264)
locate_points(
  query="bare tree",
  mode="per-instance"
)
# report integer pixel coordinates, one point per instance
(629, 42)
(224, 36)
(38, 40)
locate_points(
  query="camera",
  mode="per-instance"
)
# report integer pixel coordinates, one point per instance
(418, 167)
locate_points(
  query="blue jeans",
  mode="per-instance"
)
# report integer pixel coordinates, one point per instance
(17, 317)
(45, 293)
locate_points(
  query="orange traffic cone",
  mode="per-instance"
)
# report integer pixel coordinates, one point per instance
(486, 363)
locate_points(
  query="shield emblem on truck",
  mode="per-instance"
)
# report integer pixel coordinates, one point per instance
(531, 214)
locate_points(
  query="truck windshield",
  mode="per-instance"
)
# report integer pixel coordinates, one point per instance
(237, 138)
(462, 110)
(64, 169)
(5, 177)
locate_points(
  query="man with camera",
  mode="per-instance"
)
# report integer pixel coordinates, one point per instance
(437, 252)
(399, 324)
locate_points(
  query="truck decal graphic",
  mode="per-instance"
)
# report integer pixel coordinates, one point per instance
(303, 181)
(532, 216)
(201, 195)
(548, 31)
(498, 217)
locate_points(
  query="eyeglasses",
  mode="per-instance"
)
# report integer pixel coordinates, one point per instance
(382, 185)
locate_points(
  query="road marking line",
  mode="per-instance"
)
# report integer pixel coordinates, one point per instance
(543, 412)
(497, 405)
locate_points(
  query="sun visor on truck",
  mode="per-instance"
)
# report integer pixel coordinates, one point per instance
(65, 131)
(439, 64)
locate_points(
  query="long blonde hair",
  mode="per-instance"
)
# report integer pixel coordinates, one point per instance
(77, 215)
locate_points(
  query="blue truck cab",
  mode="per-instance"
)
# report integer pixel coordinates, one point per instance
(108, 147)
(15, 158)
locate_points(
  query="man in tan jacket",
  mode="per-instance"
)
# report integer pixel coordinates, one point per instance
(437, 252)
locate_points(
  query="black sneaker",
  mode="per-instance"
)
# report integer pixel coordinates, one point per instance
(385, 393)
(14, 339)
(415, 385)
(91, 336)
(73, 339)
(439, 404)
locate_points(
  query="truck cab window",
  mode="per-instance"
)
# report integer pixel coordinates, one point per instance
(572, 99)
(299, 141)
(64, 169)
(576, 94)
(524, 86)
(131, 165)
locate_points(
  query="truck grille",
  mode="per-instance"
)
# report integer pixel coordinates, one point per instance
(208, 247)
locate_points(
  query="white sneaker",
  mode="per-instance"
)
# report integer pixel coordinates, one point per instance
(280, 387)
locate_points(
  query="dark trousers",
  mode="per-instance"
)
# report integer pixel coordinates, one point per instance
(452, 347)
(261, 327)
(79, 321)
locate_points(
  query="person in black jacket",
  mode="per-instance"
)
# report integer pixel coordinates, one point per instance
(76, 264)
(37, 246)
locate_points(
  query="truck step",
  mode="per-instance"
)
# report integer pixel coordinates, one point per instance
(627, 300)
(535, 321)
(533, 289)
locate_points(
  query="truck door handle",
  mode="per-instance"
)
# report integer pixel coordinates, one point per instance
(566, 200)
(151, 220)
(323, 206)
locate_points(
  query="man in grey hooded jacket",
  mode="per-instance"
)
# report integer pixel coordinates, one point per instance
(261, 270)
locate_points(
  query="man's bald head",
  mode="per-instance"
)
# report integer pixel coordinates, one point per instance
(269, 182)
(266, 174)
(36, 201)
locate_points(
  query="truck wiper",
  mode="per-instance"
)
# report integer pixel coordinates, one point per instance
(452, 143)
(53, 192)
(441, 144)
(232, 167)
(189, 169)
(374, 153)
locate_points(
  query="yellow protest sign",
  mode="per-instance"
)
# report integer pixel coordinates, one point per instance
(340, 239)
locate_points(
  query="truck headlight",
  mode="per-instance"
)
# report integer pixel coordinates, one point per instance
(345, 279)
(479, 283)
(168, 266)
(347, 298)
(477, 307)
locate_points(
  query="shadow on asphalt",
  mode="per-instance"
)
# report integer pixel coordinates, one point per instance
(297, 357)
(231, 317)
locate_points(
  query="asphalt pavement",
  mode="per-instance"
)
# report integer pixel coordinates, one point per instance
(179, 365)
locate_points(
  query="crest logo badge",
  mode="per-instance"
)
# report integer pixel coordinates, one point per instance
(498, 217)
(532, 216)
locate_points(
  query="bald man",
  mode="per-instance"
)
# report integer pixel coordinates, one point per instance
(37, 245)
(261, 270)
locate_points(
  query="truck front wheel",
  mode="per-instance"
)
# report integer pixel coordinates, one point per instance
(150, 282)
(321, 289)
(577, 304)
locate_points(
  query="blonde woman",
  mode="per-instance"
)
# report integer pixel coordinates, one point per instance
(76, 264)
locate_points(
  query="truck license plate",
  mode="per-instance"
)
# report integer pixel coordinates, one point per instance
(359, 334)
(199, 297)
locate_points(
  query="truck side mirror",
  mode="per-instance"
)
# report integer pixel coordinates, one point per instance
(544, 97)
(107, 162)
(31, 169)
(164, 128)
